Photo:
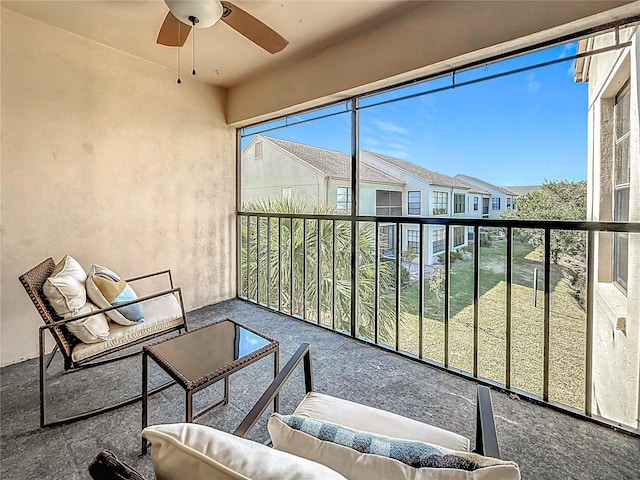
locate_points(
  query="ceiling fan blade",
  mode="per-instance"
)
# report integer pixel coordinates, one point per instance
(168, 34)
(252, 28)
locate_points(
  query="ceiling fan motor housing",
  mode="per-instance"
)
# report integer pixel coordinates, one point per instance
(205, 12)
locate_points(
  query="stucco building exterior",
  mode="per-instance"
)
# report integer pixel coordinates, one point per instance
(613, 180)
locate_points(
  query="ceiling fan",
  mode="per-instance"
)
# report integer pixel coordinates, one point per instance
(185, 14)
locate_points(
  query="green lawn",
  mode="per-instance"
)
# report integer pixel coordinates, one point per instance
(567, 325)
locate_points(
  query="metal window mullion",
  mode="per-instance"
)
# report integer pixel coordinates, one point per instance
(589, 340)
(509, 306)
(476, 299)
(355, 196)
(421, 288)
(547, 304)
(239, 221)
(447, 288)
(398, 282)
(304, 268)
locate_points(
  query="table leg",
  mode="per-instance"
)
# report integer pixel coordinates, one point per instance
(226, 390)
(145, 398)
(276, 370)
(189, 407)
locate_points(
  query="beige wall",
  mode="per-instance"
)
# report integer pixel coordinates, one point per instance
(104, 157)
(616, 352)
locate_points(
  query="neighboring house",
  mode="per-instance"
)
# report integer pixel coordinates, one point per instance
(613, 186)
(430, 194)
(274, 168)
(499, 201)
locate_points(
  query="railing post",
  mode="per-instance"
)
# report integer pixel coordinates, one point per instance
(447, 285)
(279, 264)
(269, 262)
(509, 306)
(304, 268)
(588, 380)
(318, 267)
(421, 288)
(398, 280)
(476, 300)
(355, 196)
(376, 287)
(547, 304)
(258, 225)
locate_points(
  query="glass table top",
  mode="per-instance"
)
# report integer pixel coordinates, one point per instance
(203, 351)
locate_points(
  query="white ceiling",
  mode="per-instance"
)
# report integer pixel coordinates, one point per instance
(223, 56)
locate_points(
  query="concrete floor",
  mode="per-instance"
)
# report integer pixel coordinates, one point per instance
(546, 444)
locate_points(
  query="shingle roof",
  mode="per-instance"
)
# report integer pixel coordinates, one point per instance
(331, 162)
(483, 184)
(433, 178)
(523, 189)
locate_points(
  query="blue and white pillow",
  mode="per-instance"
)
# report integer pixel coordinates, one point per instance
(106, 289)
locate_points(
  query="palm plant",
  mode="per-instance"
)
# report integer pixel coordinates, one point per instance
(280, 267)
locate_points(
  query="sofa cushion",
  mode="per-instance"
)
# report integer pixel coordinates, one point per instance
(105, 288)
(65, 287)
(92, 329)
(198, 452)
(162, 313)
(369, 456)
(361, 417)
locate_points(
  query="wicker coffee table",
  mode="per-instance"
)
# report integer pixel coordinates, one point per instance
(202, 357)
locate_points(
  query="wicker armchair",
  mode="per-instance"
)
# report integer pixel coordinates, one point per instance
(66, 343)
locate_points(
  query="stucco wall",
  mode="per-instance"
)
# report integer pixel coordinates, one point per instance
(104, 157)
(616, 351)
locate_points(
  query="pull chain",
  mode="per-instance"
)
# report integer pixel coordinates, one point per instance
(178, 45)
(193, 51)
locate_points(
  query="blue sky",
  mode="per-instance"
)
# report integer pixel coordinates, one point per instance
(516, 130)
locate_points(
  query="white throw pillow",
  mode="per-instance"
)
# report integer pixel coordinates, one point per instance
(198, 452)
(357, 465)
(92, 329)
(65, 287)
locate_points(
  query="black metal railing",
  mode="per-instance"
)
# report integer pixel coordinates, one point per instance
(301, 265)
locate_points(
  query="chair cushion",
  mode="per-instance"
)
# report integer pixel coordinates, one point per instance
(198, 452)
(371, 456)
(162, 313)
(105, 288)
(361, 417)
(92, 329)
(65, 287)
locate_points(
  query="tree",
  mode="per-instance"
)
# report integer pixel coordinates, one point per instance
(556, 200)
(293, 299)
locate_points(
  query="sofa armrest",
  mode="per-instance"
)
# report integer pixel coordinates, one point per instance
(303, 353)
(486, 437)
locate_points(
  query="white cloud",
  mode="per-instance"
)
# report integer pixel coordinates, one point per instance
(568, 50)
(532, 84)
(390, 127)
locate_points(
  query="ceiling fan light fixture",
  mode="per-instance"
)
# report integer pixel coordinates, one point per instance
(207, 12)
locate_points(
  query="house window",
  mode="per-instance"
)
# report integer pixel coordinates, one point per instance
(286, 192)
(413, 241)
(458, 203)
(485, 206)
(508, 203)
(343, 198)
(440, 200)
(475, 204)
(621, 180)
(387, 240)
(414, 203)
(438, 240)
(388, 203)
(458, 236)
(495, 203)
(257, 150)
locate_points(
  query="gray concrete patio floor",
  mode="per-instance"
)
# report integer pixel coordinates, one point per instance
(546, 444)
